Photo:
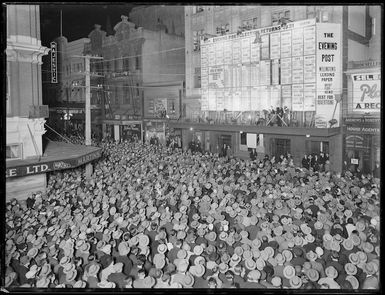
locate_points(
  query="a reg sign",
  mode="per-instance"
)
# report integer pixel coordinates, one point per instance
(366, 92)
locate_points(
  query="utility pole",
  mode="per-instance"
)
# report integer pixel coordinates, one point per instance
(89, 168)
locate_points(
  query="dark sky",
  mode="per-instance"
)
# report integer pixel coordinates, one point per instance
(78, 20)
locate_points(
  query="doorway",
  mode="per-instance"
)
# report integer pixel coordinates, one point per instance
(281, 147)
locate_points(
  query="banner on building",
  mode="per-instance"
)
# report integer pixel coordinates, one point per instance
(53, 62)
(367, 92)
(329, 72)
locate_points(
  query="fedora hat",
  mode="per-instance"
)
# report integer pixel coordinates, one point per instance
(312, 274)
(350, 269)
(159, 260)
(331, 272)
(197, 270)
(181, 264)
(187, 280)
(71, 275)
(198, 250)
(93, 269)
(223, 267)
(123, 248)
(353, 281)
(182, 254)
(225, 257)
(199, 260)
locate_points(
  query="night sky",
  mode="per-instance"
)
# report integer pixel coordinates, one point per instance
(78, 20)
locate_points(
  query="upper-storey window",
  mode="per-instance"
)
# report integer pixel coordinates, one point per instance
(223, 29)
(197, 39)
(249, 24)
(278, 16)
(197, 9)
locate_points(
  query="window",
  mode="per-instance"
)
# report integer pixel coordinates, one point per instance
(223, 29)
(197, 78)
(126, 64)
(279, 16)
(197, 9)
(14, 151)
(127, 95)
(137, 62)
(197, 39)
(250, 24)
(310, 12)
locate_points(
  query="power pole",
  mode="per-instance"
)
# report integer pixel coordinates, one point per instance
(89, 168)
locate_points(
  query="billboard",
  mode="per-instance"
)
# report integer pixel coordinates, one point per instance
(328, 75)
(366, 92)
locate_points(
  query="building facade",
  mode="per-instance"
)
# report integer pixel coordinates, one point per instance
(144, 78)
(267, 77)
(24, 108)
(154, 17)
(362, 103)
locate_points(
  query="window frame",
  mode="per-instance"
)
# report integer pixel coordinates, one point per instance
(20, 146)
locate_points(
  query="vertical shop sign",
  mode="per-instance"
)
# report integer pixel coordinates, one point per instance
(53, 62)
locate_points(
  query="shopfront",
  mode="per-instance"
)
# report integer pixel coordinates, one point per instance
(362, 143)
(362, 120)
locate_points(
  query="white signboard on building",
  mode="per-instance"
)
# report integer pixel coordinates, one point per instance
(329, 72)
(367, 92)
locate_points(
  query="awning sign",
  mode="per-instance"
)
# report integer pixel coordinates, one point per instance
(53, 63)
(38, 168)
(367, 92)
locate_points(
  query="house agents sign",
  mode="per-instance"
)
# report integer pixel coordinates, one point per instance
(366, 92)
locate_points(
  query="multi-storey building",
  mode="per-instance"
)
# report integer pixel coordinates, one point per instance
(362, 80)
(269, 77)
(67, 111)
(144, 78)
(152, 17)
(28, 159)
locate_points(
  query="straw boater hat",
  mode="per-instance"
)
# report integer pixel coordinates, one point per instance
(199, 260)
(93, 269)
(250, 264)
(289, 271)
(353, 281)
(313, 275)
(295, 282)
(197, 270)
(198, 250)
(80, 284)
(43, 283)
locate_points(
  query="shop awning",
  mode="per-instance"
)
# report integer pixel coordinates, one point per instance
(57, 156)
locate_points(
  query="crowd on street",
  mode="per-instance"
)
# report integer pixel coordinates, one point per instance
(160, 217)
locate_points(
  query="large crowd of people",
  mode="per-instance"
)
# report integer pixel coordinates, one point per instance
(158, 217)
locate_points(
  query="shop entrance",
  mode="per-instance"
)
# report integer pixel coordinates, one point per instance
(224, 139)
(281, 147)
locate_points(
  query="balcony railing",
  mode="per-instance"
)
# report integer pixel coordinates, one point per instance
(287, 119)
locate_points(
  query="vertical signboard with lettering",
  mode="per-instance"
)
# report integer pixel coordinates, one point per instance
(53, 62)
(329, 71)
(366, 92)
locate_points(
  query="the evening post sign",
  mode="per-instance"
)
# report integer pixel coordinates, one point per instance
(53, 62)
(367, 92)
(329, 73)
